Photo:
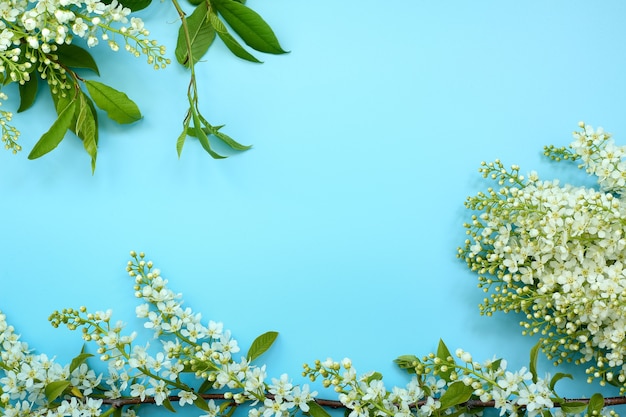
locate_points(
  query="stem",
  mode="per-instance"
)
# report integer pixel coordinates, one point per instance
(122, 402)
(192, 90)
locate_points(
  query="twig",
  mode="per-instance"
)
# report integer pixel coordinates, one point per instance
(122, 402)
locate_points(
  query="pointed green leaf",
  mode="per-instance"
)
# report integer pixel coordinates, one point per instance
(134, 5)
(215, 131)
(261, 344)
(573, 407)
(201, 36)
(407, 362)
(86, 128)
(248, 24)
(117, 104)
(495, 365)
(205, 387)
(596, 404)
(230, 42)
(75, 57)
(457, 393)
(534, 354)
(557, 377)
(60, 101)
(55, 389)
(168, 404)
(374, 376)
(444, 354)
(79, 360)
(28, 93)
(199, 133)
(201, 404)
(181, 141)
(316, 410)
(55, 134)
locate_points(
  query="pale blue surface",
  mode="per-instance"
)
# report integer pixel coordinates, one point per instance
(339, 228)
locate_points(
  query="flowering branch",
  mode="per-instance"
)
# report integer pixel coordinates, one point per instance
(197, 364)
(470, 404)
(555, 254)
(38, 41)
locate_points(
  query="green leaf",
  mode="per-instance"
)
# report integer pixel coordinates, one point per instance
(202, 137)
(75, 57)
(86, 128)
(215, 131)
(60, 101)
(201, 404)
(28, 93)
(374, 376)
(230, 42)
(135, 5)
(457, 393)
(316, 410)
(205, 387)
(168, 404)
(407, 362)
(117, 104)
(248, 24)
(84, 124)
(495, 365)
(261, 344)
(557, 377)
(79, 360)
(596, 403)
(55, 389)
(444, 354)
(573, 407)
(181, 139)
(201, 36)
(534, 354)
(55, 134)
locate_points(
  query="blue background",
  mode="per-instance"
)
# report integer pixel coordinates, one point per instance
(339, 229)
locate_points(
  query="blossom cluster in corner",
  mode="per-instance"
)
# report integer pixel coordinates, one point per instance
(197, 363)
(555, 252)
(188, 347)
(38, 37)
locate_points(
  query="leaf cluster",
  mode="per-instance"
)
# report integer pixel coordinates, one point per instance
(210, 20)
(75, 100)
(460, 398)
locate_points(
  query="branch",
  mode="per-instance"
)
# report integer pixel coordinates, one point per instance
(122, 402)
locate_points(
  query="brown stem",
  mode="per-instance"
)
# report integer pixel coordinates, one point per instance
(122, 402)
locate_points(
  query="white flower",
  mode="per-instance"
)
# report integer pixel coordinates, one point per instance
(79, 27)
(6, 41)
(186, 397)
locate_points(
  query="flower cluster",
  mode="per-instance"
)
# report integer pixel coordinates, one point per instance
(33, 30)
(39, 36)
(197, 364)
(188, 347)
(556, 254)
(28, 382)
(9, 133)
(443, 385)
